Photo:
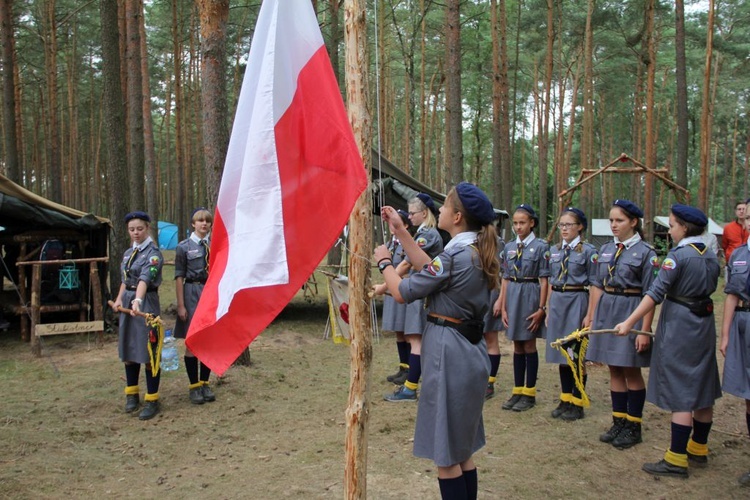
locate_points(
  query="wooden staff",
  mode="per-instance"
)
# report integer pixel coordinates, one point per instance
(137, 313)
(578, 334)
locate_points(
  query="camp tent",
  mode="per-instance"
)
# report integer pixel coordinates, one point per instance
(168, 237)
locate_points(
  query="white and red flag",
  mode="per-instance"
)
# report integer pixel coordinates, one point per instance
(292, 175)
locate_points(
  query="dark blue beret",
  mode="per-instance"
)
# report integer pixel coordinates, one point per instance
(690, 214)
(427, 200)
(137, 215)
(476, 203)
(404, 217)
(629, 207)
(529, 210)
(581, 216)
(196, 210)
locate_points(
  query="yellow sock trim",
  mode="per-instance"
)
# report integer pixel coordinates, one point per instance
(152, 397)
(566, 397)
(405, 366)
(411, 385)
(517, 390)
(204, 382)
(617, 414)
(195, 385)
(678, 459)
(631, 418)
(131, 390)
(529, 391)
(576, 401)
(697, 449)
(491, 380)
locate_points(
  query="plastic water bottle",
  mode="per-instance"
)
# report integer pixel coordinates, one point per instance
(169, 359)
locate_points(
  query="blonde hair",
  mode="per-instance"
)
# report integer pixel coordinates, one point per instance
(486, 241)
(202, 214)
(430, 220)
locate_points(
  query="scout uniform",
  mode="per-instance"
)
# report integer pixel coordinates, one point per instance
(394, 314)
(524, 263)
(494, 323)
(737, 362)
(429, 240)
(449, 427)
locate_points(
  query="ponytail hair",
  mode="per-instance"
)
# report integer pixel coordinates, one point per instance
(486, 241)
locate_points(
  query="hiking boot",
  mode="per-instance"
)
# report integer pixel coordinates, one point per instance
(574, 412)
(744, 479)
(399, 377)
(508, 405)
(614, 431)
(149, 411)
(525, 403)
(700, 461)
(489, 393)
(628, 437)
(401, 394)
(131, 403)
(208, 394)
(196, 395)
(664, 468)
(561, 408)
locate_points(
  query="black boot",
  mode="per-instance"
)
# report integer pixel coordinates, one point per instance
(149, 411)
(629, 436)
(617, 425)
(399, 377)
(525, 403)
(574, 412)
(665, 469)
(561, 408)
(131, 403)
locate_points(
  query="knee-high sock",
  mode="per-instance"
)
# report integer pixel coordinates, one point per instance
(519, 369)
(191, 367)
(680, 438)
(415, 371)
(619, 403)
(532, 368)
(472, 484)
(636, 401)
(453, 488)
(152, 383)
(404, 348)
(494, 364)
(132, 374)
(205, 372)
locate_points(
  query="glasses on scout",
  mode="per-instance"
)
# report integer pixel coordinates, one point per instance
(566, 225)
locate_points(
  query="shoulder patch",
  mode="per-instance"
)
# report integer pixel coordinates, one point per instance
(594, 258)
(654, 260)
(435, 267)
(669, 264)
(546, 255)
(154, 260)
(421, 241)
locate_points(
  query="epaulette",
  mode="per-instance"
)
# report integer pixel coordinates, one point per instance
(456, 250)
(649, 245)
(586, 244)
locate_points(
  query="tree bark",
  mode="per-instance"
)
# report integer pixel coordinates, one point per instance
(682, 96)
(649, 198)
(149, 149)
(10, 138)
(705, 152)
(360, 225)
(136, 156)
(179, 167)
(114, 122)
(213, 18)
(54, 169)
(453, 108)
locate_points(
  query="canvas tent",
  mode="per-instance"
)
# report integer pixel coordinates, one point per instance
(46, 245)
(168, 237)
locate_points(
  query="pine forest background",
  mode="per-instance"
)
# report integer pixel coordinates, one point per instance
(110, 105)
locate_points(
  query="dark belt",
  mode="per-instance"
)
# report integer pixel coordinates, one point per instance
(188, 280)
(150, 289)
(570, 288)
(627, 292)
(524, 280)
(472, 329)
(742, 309)
(700, 306)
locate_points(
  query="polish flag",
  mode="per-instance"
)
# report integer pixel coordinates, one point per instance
(292, 175)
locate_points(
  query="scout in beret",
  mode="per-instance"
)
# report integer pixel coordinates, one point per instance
(684, 377)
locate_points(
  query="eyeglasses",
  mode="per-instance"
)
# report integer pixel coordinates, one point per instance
(566, 225)
(415, 213)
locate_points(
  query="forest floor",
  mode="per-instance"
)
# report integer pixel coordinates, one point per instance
(277, 429)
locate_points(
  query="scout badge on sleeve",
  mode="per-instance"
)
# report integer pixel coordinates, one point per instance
(573, 348)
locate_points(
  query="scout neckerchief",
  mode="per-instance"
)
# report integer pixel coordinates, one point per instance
(621, 247)
(206, 244)
(136, 249)
(694, 241)
(520, 245)
(566, 257)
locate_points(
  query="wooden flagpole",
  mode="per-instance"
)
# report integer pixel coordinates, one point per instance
(360, 246)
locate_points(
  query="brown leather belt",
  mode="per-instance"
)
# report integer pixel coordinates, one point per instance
(445, 319)
(570, 288)
(742, 306)
(524, 280)
(471, 330)
(628, 292)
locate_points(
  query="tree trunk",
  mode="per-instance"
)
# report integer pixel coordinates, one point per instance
(587, 137)
(10, 138)
(136, 158)
(213, 17)
(360, 225)
(179, 167)
(649, 198)
(682, 96)
(114, 121)
(149, 150)
(705, 152)
(54, 169)
(546, 110)
(453, 108)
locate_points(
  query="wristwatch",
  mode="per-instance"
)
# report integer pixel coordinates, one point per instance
(384, 264)
(543, 308)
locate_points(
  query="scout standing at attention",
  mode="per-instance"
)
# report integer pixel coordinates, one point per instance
(735, 330)
(524, 299)
(141, 276)
(572, 267)
(422, 213)
(191, 273)
(394, 314)
(449, 428)
(627, 267)
(493, 323)
(684, 376)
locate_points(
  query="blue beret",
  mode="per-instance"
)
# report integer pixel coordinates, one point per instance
(404, 217)
(629, 207)
(137, 215)
(529, 210)
(476, 203)
(196, 210)
(690, 214)
(581, 216)
(427, 200)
